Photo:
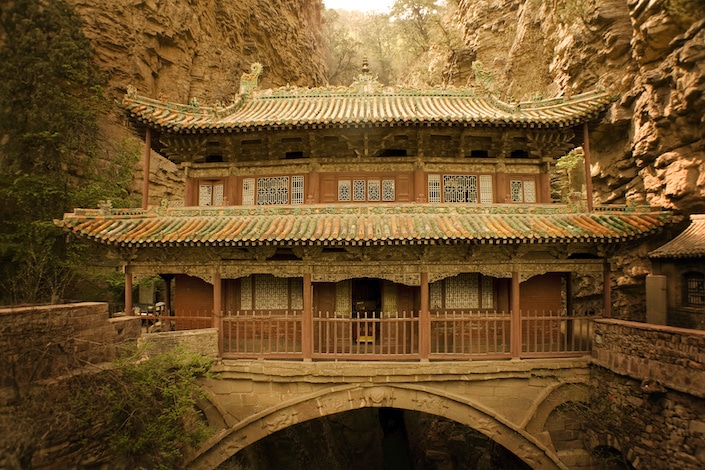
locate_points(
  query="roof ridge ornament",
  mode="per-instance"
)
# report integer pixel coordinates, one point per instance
(248, 81)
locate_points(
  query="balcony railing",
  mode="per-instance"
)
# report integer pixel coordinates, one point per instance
(452, 335)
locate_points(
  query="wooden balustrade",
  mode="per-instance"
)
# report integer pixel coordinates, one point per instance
(454, 335)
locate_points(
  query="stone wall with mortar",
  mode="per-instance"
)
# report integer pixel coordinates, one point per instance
(648, 394)
(44, 342)
(203, 342)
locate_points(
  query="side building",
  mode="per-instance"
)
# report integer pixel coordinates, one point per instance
(344, 222)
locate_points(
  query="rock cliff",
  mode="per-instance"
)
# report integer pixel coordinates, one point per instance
(650, 146)
(180, 49)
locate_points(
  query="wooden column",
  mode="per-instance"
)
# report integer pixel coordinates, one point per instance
(217, 299)
(128, 292)
(145, 168)
(167, 292)
(515, 307)
(307, 319)
(420, 186)
(314, 192)
(588, 164)
(607, 290)
(424, 320)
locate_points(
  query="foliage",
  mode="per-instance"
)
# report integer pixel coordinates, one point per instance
(141, 413)
(51, 95)
(408, 46)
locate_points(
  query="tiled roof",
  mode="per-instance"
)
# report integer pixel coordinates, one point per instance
(355, 225)
(366, 102)
(689, 244)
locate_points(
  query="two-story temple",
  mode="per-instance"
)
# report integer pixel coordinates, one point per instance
(344, 222)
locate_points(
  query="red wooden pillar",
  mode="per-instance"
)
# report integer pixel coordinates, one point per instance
(588, 164)
(217, 299)
(307, 319)
(420, 186)
(607, 290)
(145, 168)
(515, 308)
(424, 320)
(128, 293)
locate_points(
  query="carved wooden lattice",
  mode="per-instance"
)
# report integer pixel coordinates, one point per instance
(529, 191)
(460, 188)
(246, 293)
(273, 190)
(374, 191)
(436, 295)
(297, 189)
(434, 188)
(210, 194)
(462, 291)
(358, 190)
(486, 189)
(343, 302)
(344, 190)
(388, 192)
(487, 292)
(271, 293)
(515, 190)
(248, 192)
(296, 285)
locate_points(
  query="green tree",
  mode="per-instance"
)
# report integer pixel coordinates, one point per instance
(51, 94)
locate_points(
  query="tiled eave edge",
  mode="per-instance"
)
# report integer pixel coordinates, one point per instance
(73, 223)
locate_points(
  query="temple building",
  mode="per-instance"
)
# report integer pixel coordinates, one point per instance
(346, 222)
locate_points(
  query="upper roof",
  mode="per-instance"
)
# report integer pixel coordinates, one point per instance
(365, 102)
(356, 225)
(689, 244)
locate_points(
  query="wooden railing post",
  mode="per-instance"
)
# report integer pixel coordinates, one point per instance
(307, 319)
(128, 292)
(515, 307)
(424, 320)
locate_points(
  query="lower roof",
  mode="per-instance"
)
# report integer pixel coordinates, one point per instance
(689, 244)
(359, 225)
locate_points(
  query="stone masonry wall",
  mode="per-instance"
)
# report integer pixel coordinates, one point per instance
(648, 394)
(44, 342)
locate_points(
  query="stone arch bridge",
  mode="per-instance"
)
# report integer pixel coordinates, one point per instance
(511, 402)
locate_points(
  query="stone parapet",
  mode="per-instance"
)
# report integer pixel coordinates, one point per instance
(659, 356)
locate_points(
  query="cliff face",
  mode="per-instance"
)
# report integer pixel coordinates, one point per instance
(650, 147)
(649, 53)
(181, 49)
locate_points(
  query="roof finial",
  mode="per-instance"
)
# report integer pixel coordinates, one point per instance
(248, 81)
(365, 66)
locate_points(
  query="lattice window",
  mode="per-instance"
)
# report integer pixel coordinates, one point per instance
(529, 191)
(388, 192)
(205, 195)
(359, 190)
(374, 191)
(487, 292)
(516, 191)
(434, 188)
(436, 295)
(271, 293)
(460, 188)
(248, 192)
(462, 291)
(297, 293)
(694, 289)
(343, 302)
(297, 189)
(273, 190)
(389, 297)
(486, 196)
(246, 293)
(344, 190)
